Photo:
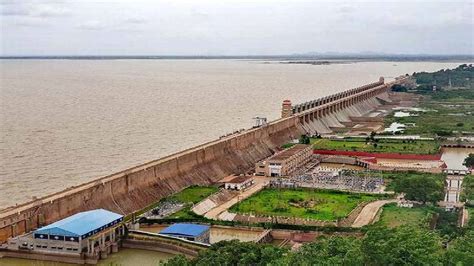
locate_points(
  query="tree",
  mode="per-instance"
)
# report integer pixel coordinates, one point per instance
(404, 245)
(399, 88)
(372, 135)
(334, 250)
(179, 260)
(467, 193)
(304, 139)
(469, 161)
(461, 250)
(420, 187)
(235, 253)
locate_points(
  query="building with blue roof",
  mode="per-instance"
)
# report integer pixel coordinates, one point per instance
(80, 225)
(192, 232)
(93, 231)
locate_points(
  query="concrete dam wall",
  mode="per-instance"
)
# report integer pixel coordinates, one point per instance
(135, 188)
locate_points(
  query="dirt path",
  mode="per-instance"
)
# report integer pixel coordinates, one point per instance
(260, 182)
(368, 213)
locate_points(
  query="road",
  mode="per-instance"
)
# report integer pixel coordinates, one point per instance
(260, 182)
(368, 213)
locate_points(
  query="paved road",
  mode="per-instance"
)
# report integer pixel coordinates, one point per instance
(259, 183)
(368, 213)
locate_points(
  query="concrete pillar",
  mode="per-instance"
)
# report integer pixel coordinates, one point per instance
(103, 254)
(286, 109)
(114, 248)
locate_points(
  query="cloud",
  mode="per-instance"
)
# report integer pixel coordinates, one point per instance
(345, 9)
(34, 9)
(91, 25)
(29, 22)
(135, 21)
(45, 11)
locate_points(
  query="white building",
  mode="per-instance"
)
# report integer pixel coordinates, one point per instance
(239, 183)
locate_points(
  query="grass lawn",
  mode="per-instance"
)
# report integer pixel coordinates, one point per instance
(303, 203)
(193, 194)
(190, 195)
(383, 145)
(393, 216)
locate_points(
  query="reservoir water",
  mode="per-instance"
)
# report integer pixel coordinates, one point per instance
(65, 122)
(454, 157)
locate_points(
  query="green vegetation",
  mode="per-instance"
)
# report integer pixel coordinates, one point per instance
(302, 203)
(304, 139)
(393, 216)
(233, 253)
(399, 88)
(447, 224)
(461, 250)
(442, 118)
(403, 245)
(193, 194)
(420, 187)
(190, 196)
(378, 145)
(470, 211)
(451, 107)
(444, 223)
(468, 191)
(460, 77)
(469, 161)
(287, 145)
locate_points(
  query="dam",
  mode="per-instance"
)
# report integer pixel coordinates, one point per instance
(133, 189)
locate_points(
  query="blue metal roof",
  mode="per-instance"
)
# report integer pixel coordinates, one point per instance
(81, 223)
(184, 229)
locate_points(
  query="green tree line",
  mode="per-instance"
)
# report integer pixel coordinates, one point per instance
(404, 245)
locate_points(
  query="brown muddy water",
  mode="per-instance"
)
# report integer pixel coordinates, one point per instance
(125, 257)
(66, 122)
(454, 157)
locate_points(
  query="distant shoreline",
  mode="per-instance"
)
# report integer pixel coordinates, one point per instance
(284, 58)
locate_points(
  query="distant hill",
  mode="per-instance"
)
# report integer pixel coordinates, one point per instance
(307, 56)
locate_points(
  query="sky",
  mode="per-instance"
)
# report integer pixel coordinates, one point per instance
(229, 27)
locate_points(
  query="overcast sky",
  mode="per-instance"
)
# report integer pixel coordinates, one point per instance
(220, 27)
